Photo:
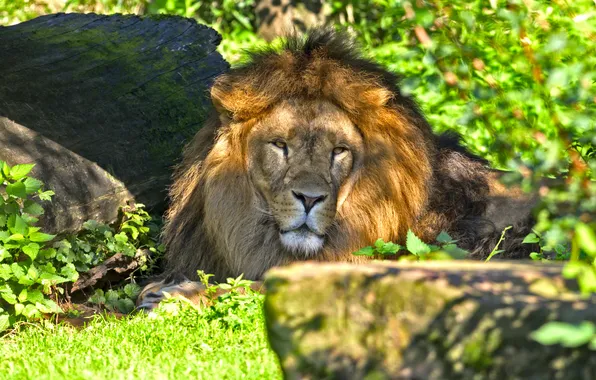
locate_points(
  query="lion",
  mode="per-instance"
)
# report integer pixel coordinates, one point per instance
(311, 153)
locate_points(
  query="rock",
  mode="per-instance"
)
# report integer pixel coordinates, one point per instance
(433, 320)
(103, 105)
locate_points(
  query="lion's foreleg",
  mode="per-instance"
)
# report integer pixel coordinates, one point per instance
(193, 291)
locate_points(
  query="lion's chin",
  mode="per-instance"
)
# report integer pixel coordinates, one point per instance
(302, 241)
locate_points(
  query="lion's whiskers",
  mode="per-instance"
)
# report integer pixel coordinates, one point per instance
(264, 212)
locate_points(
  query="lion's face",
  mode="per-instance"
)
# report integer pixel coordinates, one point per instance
(303, 157)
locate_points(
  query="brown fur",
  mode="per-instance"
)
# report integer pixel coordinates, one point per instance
(410, 178)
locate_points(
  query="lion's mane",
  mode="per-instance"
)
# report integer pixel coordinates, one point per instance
(426, 183)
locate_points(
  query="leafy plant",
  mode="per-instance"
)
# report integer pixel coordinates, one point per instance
(566, 334)
(29, 278)
(496, 249)
(34, 263)
(560, 251)
(416, 248)
(132, 233)
(122, 300)
(236, 297)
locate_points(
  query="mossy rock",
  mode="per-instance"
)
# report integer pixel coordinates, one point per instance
(108, 102)
(435, 320)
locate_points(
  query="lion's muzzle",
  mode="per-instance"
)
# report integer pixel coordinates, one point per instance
(303, 232)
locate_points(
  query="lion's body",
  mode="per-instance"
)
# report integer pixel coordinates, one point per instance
(227, 212)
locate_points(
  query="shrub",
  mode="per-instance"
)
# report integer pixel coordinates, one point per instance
(29, 278)
(34, 265)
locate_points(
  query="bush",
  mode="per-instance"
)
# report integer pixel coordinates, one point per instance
(34, 265)
(29, 277)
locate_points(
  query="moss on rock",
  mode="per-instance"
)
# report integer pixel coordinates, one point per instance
(448, 320)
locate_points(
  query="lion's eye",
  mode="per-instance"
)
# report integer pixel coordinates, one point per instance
(339, 150)
(281, 145)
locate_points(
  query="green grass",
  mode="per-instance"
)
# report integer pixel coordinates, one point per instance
(189, 345)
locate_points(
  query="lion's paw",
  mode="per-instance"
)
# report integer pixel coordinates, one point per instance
(155, 292)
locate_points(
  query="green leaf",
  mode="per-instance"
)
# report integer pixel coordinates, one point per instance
(389, 248)
(33, 208)
(16, 237)
(32, 185)
(17, 270)
(19, 171)
(51, 278)
(121, 237)
(586, 238)
(444, 238)
(16, 190)
(48, 306)
(16, 224)
(125, 305)
(133, 231)
(379, 243)
(587, 281)
(29, 219)
(5, 272)
(35, 296)
(5, 169)
(531, 238)
(455, 252)
(98, 297)
(415, 245)
(4, 254)
(31, 250)
(9, 297)
(33, 273)
(23, 295)
(573, 268)
(132, 290)
(4, 322)
(112, 296)
(91, 225)
(40, 237)
(46, 195)
(69, 272)
(536, 256)
(31, 312)
(366, 251)
(18, 308)
(566, 334)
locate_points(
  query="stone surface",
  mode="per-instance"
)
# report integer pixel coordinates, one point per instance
(433, 320)
(103, 105)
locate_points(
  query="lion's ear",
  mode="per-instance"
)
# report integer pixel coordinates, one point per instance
(235, 100)
(377, 97)
(218, 96)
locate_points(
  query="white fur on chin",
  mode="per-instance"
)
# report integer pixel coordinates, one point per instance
(304, 242)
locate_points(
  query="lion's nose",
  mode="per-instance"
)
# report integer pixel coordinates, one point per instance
(309, 201)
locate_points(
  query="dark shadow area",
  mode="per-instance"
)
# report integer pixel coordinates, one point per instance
(122, 92)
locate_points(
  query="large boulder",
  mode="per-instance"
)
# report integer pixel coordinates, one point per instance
(434, 320)
(103, 105)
